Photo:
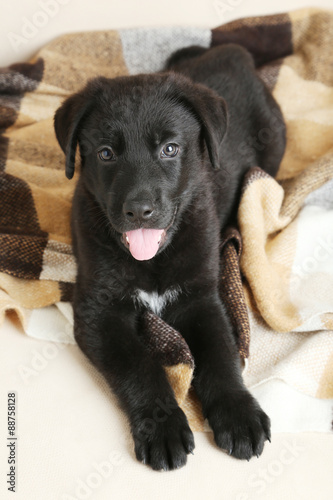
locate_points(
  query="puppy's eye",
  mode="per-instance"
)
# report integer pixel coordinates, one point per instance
(169, 151)
(106, 154)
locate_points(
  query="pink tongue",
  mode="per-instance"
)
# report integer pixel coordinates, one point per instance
(143, 243)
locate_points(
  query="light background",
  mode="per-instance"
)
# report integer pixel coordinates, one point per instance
(82, 15)
(47, 467)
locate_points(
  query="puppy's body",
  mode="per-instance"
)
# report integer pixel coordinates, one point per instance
(143, 191)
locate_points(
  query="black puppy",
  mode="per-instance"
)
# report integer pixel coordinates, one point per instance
(162, 162)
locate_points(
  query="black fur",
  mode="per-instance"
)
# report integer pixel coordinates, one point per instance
(225, 121)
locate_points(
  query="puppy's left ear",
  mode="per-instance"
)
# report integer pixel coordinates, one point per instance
(67, 120)
(210, 110)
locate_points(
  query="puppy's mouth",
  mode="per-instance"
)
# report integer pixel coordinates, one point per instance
(144, 243)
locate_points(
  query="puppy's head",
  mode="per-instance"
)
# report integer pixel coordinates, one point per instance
(142, 142)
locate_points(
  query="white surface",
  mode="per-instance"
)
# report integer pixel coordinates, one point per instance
(37, 22)
(71, 434)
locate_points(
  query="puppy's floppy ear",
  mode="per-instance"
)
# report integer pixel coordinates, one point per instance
(210, 110)
(67, 120)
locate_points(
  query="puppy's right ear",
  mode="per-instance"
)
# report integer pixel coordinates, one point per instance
(67, 121)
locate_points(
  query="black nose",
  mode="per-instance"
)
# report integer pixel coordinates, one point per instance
(135, 210)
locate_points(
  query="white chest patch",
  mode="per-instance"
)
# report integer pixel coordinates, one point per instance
(155, 302)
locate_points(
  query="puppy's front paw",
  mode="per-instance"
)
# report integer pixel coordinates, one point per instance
(239, 424)
(164, 445)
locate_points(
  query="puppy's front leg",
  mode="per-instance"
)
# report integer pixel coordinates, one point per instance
(108, 336)
(239, 424)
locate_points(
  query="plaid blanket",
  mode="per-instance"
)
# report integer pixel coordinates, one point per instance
(280, 291)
